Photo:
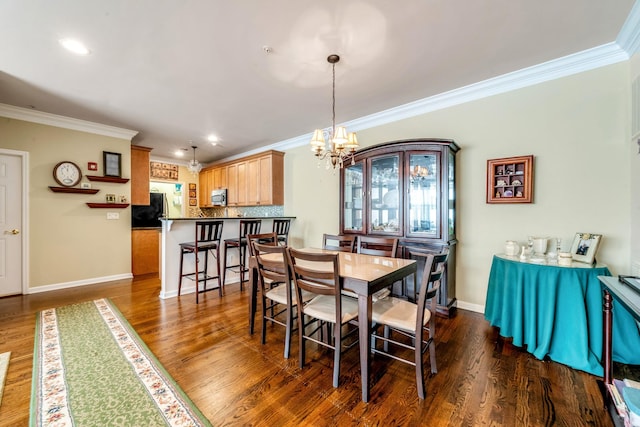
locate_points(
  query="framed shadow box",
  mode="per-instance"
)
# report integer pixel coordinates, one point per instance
(510, 180)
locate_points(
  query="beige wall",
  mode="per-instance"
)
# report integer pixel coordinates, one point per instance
(576, 127)
(69, 242)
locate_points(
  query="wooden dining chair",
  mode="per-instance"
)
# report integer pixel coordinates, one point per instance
(318, 273)
(380, 246)
(410, 325)
(277, 289)
(264, 238)
(339, 242)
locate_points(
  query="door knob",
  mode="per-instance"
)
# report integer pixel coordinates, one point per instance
(14, 231)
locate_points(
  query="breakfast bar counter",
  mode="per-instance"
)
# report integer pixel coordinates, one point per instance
(180, 230)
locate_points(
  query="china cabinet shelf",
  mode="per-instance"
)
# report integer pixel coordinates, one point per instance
(405, 189)
(112, 179)
(107, 205)
(73, 190)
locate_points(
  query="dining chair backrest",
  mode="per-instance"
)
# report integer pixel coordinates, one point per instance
(273, 269)
(429, 287)
(339, 242)
(314, 272)
(264, 238)
(439, 263)
(380, 246)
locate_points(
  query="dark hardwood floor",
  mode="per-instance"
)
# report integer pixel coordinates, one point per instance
(234, 380)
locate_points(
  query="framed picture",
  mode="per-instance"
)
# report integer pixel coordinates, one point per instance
(111, 198)
(192, 186)
(192, 194)
(585, 246)
(112, 164)
(193, 202)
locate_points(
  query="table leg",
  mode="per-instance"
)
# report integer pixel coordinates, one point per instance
(607, 306)
(364, 330)
(253, 291)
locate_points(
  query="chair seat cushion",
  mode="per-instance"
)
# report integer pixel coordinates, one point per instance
(279, 295)
(323, 307)
(397, 313)
(202, 246)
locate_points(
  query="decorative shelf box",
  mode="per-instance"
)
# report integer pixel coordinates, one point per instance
(73, 190)
(107, 179)
(107, 205)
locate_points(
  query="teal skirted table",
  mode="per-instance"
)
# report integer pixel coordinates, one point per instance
(556, 311)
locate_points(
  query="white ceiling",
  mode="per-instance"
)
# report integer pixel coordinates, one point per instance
(178, 70)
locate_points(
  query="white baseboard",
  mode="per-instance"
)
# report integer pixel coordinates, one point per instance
(91, 281)
(471, 307)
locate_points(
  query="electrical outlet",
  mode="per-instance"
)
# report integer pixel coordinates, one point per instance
(113, 215)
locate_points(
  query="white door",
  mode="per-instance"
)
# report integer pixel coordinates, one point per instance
(11, 233)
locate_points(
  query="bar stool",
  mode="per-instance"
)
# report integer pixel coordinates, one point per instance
(207, 239)
(281, 228)
(247, 226)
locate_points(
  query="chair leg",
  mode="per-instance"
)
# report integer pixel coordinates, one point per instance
(217, 256)
(206, 267)
(180, 274)
(264, 318)
(301, 332)
(419, 367)
(242, 252)
(289, 327)
(197, 261)
(224, 264)
(337, 334)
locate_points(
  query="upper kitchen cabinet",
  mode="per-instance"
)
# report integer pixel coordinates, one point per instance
(140, 171)
(256, 180)
(405, 189)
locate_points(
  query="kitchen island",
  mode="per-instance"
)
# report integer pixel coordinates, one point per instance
(180, 230)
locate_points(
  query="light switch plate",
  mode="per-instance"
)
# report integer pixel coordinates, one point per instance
(113, 215)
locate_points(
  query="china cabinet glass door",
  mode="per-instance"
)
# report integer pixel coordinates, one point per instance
(353, 197)
(384, 198)
(423, 195)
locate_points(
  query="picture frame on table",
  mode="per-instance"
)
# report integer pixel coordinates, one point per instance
(585, 246)
(112, 164)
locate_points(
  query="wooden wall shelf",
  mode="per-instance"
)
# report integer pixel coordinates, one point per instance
(73, 190)
(113, 179)
(107, 205)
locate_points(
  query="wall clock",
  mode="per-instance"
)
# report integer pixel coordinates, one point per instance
(67, 174)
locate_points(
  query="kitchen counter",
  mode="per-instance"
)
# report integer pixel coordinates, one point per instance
(180, 230)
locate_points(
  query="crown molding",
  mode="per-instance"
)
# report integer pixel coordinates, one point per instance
(43, 118)
(629, 36)
(586, 60)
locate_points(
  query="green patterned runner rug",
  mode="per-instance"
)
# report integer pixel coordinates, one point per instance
(90, 368)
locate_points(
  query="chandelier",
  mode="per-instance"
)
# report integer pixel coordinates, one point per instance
(341, 146)
(194, 166)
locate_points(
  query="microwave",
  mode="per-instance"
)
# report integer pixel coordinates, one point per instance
(219, 197)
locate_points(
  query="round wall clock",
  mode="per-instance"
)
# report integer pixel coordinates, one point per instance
(67, 174)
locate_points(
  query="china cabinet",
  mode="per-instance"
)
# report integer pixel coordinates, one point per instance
(405, 189)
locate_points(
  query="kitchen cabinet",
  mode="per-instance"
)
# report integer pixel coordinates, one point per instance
(145, 251)
(405, 189)
(204, 185)
(252, 181)
(140, 170)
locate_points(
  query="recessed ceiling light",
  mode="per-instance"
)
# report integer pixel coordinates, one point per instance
(74, 46)
(213, 139)
(179, 153)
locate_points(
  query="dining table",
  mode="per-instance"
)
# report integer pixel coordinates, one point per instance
(364, 275)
